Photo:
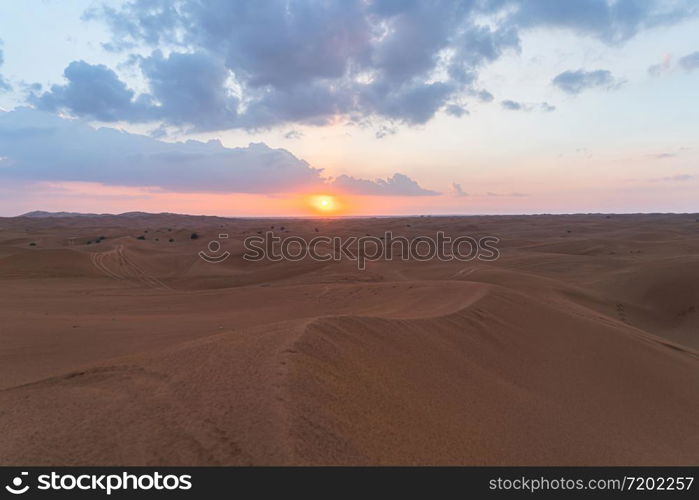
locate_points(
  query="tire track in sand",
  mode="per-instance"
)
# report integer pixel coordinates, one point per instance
(115, 264)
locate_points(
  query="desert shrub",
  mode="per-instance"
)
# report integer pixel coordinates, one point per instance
(171, 240)
(194, 236)
(141, 237)
(32, 244)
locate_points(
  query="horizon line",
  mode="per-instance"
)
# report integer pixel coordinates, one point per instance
(65, 214)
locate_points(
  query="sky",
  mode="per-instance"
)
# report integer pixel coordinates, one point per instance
(248, 108)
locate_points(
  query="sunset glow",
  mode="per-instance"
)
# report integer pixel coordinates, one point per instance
(324, 204)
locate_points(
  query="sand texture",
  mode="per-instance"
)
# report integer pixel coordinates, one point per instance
(579, 346)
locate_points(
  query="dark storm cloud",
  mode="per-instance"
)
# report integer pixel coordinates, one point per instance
(574, 82)
(39, 146)
(252, 64)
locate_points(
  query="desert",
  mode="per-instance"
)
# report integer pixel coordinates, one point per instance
(120, 345)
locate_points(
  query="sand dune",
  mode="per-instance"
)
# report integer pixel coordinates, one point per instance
(578, 346)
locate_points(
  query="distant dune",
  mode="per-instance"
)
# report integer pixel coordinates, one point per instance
(579, 346)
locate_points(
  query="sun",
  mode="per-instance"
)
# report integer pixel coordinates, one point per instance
(324, 203)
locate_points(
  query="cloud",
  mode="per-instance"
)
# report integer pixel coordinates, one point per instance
(190, 89)
(574, 82)
(662, 67)
(250, 64)
(458, 191)
(385, 130)
(511, 105)
(293, 134)
(456, 110)
(282, 62)
(398, 185)
(38, 146)
(527, 107)
(93, 91)
(185, 89)
(690, 62)
(152, 21)
(613, 22)
(43, 147)
(4, 84)
(483, 95)
(412, 103)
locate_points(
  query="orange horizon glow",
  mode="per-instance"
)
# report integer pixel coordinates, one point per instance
(86, 197)
(325, 204)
